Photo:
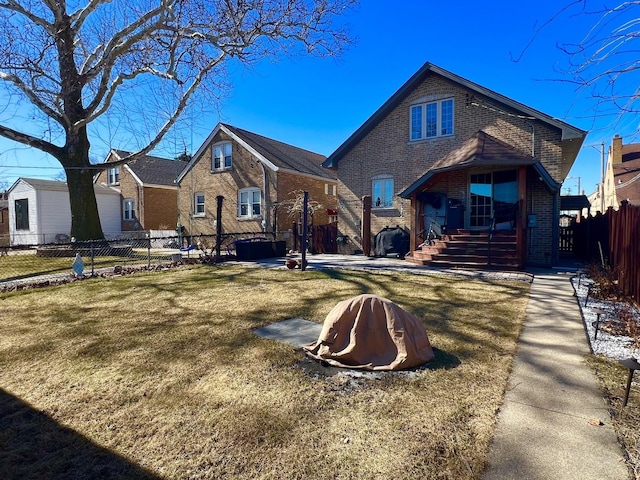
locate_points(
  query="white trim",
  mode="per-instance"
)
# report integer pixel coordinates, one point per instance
(382, 177)
(207, 143)
(109, 170)
(222, 144)
(135, 177)
(249, 191)
(195, 204)
(423, 119)
(133, 209)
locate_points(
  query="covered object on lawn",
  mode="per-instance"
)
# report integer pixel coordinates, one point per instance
(371, 333)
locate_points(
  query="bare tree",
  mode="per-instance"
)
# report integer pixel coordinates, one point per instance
(73, 65)
(605, 61)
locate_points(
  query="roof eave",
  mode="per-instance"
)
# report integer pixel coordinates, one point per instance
(569, 132)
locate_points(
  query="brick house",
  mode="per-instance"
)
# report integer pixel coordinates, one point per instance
(258, 177)
(622, 177)
(148, 189)
(444, 154)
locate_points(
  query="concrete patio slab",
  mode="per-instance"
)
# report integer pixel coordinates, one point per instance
(294, 331)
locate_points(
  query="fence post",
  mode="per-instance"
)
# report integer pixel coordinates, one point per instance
(304, 230)
(219, 200)
(148, 250)
(92, 255)
(366, 225)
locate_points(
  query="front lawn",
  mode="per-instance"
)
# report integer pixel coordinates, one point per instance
(159, 375)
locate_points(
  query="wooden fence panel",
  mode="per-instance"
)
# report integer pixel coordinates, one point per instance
(624, 247)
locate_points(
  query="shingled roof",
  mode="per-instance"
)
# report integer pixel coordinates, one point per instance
(284, 155)
(482, 150)
(150, 170)
(275, 154)
(572, 137)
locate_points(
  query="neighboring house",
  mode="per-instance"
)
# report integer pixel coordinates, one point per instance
(148, 188)
(39, 211)
(446, 153)
(622, 177)
(4, 219)
(258, 178)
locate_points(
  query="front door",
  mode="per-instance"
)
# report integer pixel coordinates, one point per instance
(493, 199)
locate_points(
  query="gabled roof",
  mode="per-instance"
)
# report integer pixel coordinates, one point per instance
(272, 153)
(569, 133)
(627, 174)
(150, 170)
(57, 186)
(481, 150)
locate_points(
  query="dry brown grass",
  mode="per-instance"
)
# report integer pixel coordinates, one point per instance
(613, 378)
(159, 375)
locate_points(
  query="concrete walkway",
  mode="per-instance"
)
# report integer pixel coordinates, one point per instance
(554, 423)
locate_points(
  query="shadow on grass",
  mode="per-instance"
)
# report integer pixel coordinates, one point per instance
(33, 445)
(442, 360)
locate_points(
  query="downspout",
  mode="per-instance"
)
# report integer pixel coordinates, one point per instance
(533, 139)
(265, 194)
(555, 229)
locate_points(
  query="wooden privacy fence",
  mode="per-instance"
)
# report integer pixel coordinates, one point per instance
(624, 247)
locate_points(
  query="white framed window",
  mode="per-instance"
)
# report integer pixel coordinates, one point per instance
(330, 189)
(382, 191)
(128, 209)
(221, 157)
(113, 176)
(431, 119)
(249, 203)
(198, 204)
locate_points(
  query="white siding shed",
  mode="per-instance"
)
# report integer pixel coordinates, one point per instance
(40, 213)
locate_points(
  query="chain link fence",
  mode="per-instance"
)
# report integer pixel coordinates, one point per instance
(52, 263)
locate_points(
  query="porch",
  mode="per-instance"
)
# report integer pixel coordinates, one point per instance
(469, 249)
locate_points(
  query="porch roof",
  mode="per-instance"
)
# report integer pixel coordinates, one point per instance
(574, 202)
(482, 150)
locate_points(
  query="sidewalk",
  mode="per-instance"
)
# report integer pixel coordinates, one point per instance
(548, 426)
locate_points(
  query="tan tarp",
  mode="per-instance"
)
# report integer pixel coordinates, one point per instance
(372, 333)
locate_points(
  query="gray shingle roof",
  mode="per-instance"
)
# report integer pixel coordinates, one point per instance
(283, 155)
(154, 170)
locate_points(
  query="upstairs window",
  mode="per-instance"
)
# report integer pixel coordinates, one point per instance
(113, 175)
(433, 119)
(249, 203)
(128, 209)
(382, 191)
(198, 204)
(330, 189)
(222, 157)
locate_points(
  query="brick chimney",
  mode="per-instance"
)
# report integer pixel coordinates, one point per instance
(616, 150)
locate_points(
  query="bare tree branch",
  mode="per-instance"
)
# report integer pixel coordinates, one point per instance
(29, 140)
(79, 62)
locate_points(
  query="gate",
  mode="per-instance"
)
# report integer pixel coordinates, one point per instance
(325, 238)
(567, 231)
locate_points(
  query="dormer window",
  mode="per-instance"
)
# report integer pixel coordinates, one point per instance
(113, 176)
(221, 156)
(431, 119)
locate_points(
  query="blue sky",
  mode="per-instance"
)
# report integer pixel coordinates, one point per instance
(316, 103)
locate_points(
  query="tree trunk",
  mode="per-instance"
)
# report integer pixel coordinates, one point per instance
(85, 219)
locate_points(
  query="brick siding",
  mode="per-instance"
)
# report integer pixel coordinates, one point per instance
(386, 150)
